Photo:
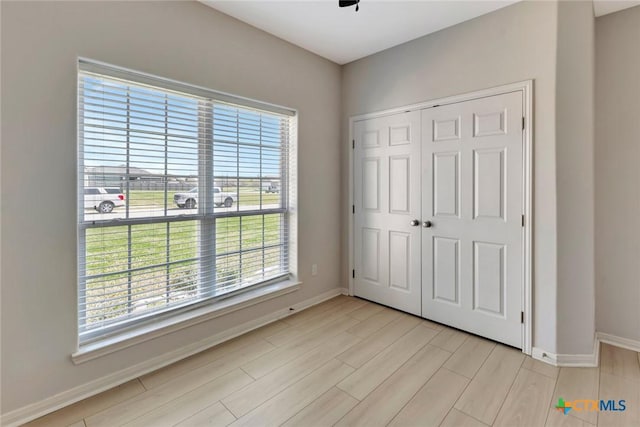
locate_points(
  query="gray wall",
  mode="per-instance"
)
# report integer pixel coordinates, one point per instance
(550, 43)
(574, 175)
(512, 44)
(618, 174)
(186, 41)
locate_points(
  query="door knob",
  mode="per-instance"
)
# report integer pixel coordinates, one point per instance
(427, 224)
(415, 222)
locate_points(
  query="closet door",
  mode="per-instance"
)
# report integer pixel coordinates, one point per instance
(472, 204)
(387, 211)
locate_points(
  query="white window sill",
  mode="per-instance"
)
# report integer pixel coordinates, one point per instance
(166, 326)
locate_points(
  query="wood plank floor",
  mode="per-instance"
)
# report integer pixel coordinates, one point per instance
(350, 362)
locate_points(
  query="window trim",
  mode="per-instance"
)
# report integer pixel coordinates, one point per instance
(162, 322)
(149, 330)
(98, 67)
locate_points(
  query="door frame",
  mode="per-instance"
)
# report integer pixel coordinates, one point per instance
(526, 88)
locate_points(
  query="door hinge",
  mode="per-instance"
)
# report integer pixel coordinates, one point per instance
(522, 317)
(353, 208)
(523, 220)
(353, 274)
(523, 123)
(353, 144)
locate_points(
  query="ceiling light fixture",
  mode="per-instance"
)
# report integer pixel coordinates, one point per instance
(347, 3)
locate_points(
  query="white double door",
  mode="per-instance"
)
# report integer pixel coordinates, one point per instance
(438, 200)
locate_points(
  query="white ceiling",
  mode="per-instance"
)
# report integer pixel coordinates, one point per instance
(344, 35)
(604, 7)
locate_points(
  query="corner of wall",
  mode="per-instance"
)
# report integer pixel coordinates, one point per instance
(575, 177)
(617, 201)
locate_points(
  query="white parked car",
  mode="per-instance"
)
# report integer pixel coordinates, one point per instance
(189, 200)
(103, 199)
(271, 188)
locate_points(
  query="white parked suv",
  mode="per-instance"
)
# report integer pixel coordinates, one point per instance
(189, 200)
(103, 199)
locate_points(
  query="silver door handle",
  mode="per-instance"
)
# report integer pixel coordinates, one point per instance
(415, 222)
(427, 224)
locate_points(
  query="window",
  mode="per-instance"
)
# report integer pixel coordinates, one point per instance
(180, 213)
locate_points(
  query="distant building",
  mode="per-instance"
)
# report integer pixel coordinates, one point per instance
(115, 176)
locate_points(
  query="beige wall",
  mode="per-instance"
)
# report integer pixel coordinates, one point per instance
(512, 44)
(186, 41)
(550, 43)
(618, 174)
(574, 176)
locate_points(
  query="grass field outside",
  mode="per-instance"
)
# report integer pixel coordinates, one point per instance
(165, 258)
(155, 199)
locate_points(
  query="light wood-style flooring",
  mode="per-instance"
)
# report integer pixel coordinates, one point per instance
(351, 362)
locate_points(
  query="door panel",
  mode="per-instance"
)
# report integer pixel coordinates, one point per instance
(471, 187)
(371, 255)
(400, 247)
(446, 181)
(446, 254)
(371, 184)
(386, 200)
(400, 184)
(488, 183)
(488, 278)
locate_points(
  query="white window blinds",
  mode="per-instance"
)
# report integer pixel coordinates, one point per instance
(182, 197)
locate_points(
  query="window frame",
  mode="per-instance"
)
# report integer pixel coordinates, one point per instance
(206, 217)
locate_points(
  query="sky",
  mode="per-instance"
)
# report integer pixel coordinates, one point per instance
(246, 142)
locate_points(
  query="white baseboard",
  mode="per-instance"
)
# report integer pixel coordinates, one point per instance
(30, 412)
(618, 341)
(587, 360)
(544, 356)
